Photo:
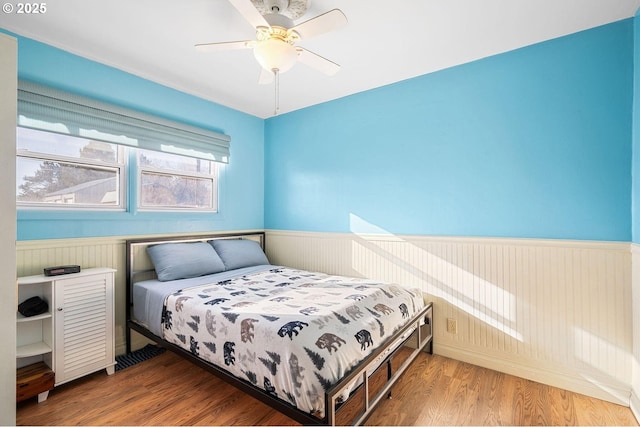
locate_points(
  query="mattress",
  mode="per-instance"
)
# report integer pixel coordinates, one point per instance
(149, 296)
(291, 332)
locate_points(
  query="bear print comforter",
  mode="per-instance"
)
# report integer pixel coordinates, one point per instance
(293, 333)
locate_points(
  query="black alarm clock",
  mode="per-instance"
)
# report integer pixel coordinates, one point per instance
(61, 269)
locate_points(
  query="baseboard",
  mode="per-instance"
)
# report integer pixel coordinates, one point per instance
(634, 404)
(576, 381)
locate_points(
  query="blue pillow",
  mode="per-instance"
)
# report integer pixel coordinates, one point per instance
(174, 261)
(238, 253)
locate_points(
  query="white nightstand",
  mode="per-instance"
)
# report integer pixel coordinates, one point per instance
(76, 336)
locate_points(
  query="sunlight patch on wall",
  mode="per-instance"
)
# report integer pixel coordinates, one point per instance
(380, 254)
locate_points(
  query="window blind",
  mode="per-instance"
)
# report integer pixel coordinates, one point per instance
(44, 108)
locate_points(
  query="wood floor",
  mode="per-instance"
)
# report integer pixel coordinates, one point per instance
(167, 390)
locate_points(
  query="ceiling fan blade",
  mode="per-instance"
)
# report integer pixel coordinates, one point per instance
(213, 47)
(266, 77)
(250, 13)
(318, 62)
(324, 23)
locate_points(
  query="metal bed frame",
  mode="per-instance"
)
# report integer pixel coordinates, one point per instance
(417, 334)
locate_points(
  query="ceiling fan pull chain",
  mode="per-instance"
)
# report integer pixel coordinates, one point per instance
(277, 94)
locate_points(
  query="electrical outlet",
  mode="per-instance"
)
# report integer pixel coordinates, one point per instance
(452, 326)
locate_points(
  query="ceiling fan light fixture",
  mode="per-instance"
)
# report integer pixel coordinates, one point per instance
(274, 54)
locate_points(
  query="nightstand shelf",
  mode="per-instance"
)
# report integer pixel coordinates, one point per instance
(34, 349)
(21, 318)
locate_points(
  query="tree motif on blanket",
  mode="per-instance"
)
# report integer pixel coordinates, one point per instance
(381, 327)
(291, 398)
(194, 347)
(269, 388)
(228, 349)
(251, 377)
(231, 317)
(341, 318)
(195, 324)
(272, 363)
(211, 346)
(318, 361)
(325, 383)
(217, 301)
(166, 318)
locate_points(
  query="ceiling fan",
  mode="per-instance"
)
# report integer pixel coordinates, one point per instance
(276, 36)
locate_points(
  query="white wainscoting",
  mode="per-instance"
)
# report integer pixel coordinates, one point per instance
(557, 312)
(635, 292)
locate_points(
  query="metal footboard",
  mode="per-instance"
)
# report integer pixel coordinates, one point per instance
(420, 327)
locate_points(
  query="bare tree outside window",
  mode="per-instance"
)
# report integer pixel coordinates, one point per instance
(169, 181)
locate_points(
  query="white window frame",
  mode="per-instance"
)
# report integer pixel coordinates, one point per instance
(213, 177)
(120, 168)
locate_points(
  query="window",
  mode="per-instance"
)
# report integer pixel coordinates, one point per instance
(66, 171)
(73, 153)
(169, 181)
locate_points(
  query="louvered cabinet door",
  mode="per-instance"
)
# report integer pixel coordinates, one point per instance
(84, 324)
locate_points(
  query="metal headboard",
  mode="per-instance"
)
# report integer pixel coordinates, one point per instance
(139, 266)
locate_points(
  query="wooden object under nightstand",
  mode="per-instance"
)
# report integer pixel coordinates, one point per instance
(34, 380)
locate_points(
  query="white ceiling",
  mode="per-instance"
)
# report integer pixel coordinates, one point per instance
(384, 41)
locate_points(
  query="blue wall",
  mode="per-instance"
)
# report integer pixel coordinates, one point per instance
(242, 181)
(535, 142)
(531, 143)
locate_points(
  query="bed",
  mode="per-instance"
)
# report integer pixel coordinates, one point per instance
(306, 343)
